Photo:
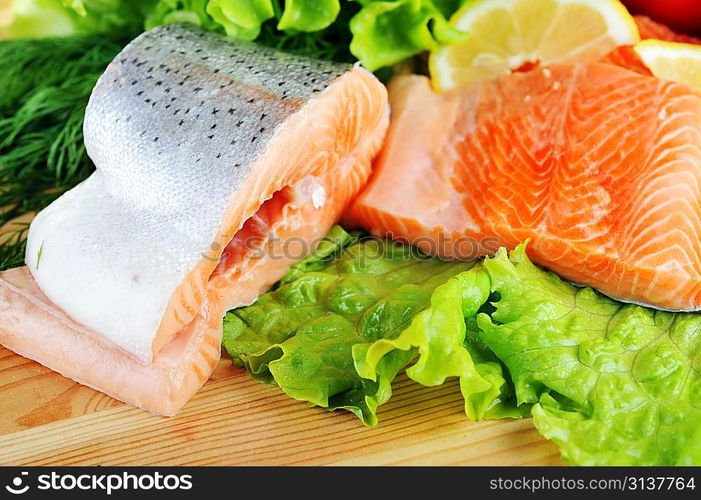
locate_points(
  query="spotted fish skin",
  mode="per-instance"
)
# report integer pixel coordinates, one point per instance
(178, 95)
(191, 133)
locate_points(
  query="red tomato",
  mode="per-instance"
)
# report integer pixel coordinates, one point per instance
(681, 15)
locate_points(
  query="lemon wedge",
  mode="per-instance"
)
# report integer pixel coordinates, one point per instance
(505, 35)
(680, 62)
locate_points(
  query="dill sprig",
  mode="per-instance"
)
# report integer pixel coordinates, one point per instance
(45, 85)
(12, 245)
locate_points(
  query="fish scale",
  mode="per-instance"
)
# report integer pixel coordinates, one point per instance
(216, 101)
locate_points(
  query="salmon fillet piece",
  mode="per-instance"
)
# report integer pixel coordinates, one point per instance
(599, 166)
(35, 328)
(219, 164)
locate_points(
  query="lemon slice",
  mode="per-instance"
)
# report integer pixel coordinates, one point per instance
(504, 35)
(680, 62)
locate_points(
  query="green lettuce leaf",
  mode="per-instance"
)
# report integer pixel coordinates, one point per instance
(448, 347)
(241, 19)
(109, 16)
(48, 18)
(308, 15)
(310, 336)
(385, 32)
(244, 19)
(34, 18)
(179, 11)
(379, 33)
(610, 383)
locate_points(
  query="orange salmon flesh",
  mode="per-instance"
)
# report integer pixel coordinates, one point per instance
(597, 165)
(301, 181)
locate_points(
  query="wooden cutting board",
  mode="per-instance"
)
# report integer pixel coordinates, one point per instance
(46, 419)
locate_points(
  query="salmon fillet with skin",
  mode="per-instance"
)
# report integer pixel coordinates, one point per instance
(219, 165)
(599, 166)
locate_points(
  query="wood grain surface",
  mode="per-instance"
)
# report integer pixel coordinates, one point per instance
(46, 419)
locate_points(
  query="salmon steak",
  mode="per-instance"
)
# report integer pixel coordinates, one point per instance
(597, 165)
(218, 165)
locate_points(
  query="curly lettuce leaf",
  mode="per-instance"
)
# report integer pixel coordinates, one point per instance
(379, 33)
(328, 249)
(109, 16)
(37, 18)
(241, 19)
(179, 11)
(46, 18)
(308, 15)
(386, 32)
(447, 348)
(310, 335)
(610, 383)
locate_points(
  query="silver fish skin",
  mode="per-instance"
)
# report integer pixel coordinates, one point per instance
(174, 126)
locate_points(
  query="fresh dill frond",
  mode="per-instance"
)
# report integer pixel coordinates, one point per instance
(12, 246)
(31, 64)
(45, 85)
